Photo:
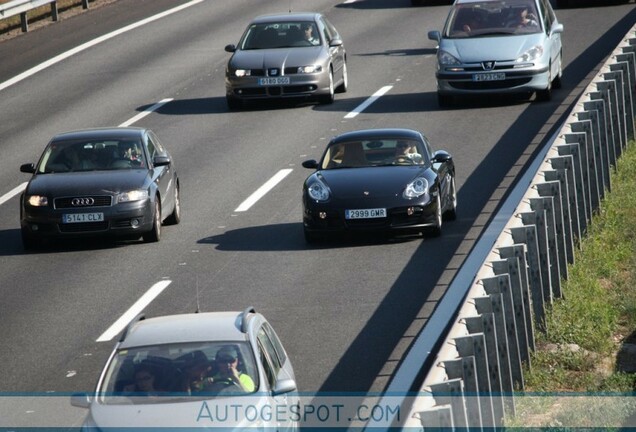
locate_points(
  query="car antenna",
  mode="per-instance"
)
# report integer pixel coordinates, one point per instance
(197, 288)
(290, 8)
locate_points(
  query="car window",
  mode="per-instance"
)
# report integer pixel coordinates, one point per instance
(492, 18)
(278, 346)
(330, 31)
(270, 375)
(268, 345)
(170, 368)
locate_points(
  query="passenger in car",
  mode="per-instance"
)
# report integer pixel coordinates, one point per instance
(143, 380)
(197, 371)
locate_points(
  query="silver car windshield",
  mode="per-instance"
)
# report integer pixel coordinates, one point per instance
(378, 152)
(165, 373)
(280, 35)
(72, 156)
(488, 18)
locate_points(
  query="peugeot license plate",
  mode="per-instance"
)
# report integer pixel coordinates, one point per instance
(82, 217)
(493, 76)
(365, 213)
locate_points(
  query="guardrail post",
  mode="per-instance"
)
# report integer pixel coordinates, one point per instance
(591, 195)
(589, 123)
(629, 57)
(438, 418)
(617, 75)
(608, 90)
(451, 392)
(484, 325)
(85, 4)
(564, 166)
(552, 189)
(508, 334)
(599, 100)
(573, 150)
(538, 219)
(515, 256)
(560, 175)
(544, 207)
(24, 22)
(475, 345)
(464, 369)
(528, 236)
(54, 15)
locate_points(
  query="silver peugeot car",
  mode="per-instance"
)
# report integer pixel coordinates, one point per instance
(286, 55)
(498, 46)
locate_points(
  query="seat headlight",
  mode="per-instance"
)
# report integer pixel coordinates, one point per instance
(531, 55)
(242, 73)
(318, 191)
(135, 195)
(445, 59)
(37, 200)
(310, 69)
(416, 188)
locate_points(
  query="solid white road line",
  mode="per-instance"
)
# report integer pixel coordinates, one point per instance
(13, 192)
(261, 191)
(89, 44)
(143, 114)
(368, 102)
(134, 310)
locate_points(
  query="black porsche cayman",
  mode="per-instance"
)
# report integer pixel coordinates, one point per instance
(379, 179)
(112, 181)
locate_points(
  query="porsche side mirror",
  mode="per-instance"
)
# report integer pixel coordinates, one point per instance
(27, 168)
(310, 164)
(441, 156)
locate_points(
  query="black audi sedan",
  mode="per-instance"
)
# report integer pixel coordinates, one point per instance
(118, 181)
(379, 179)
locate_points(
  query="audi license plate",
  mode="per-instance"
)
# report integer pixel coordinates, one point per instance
(273, 81)
(494, 76)
(82, 217)
(365, 213)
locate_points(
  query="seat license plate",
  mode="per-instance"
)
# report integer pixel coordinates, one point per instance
(494, 76)
(273, 81)
(365, 213)
(82, 217)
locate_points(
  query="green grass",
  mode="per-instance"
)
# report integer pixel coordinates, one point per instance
(597, 313)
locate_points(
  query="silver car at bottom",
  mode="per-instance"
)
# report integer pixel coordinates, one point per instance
(498, 46)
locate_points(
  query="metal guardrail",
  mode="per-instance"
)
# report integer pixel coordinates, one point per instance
(494, 332)
(21, 7)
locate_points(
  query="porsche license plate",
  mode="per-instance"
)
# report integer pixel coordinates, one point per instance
(493, 76)
(273, 81)
(82, 217)
(365, 213)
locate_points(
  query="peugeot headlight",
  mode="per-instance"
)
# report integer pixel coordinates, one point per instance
(531, 55)
(445, 59)
(310, 69)
(318, 191)
(416, 188)
(135, 195)
(242, 73)
(38, 200)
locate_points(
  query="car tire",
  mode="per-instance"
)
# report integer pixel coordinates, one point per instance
(342, 88)
(154, 235)
(436, 230)
(444, 101)
(557, 82)
(310, 236)
(546, 94)
(417, 2)
(329, 97)
(562, 3)
(233, 103)
(175, 216)
(28, 241)
(451, 213)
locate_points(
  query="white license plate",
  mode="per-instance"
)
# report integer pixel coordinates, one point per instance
(273, 81)
(365, 213)
(494, 76)
(82, 217)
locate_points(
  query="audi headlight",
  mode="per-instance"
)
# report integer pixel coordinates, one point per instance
(310, 69)
(318, 191)
(37, 200)
(531, 55)
(242, 73)
(445, 59)
(416, 188)
(135, 195)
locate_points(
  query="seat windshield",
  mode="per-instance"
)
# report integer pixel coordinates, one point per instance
(280, 35)
(492, 18)
(377, 152)
(72, 156)
(165, 373)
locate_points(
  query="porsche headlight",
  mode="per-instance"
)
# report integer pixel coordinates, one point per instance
(416, 188)
(37, 200)
(135, 195)
(310, 69)
(445, 59)
(531, 55)
(242, 73)
(318, 191)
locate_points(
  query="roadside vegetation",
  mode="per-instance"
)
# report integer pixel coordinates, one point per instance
(589, 346)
